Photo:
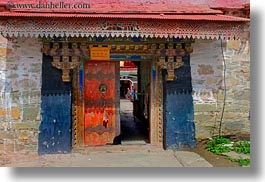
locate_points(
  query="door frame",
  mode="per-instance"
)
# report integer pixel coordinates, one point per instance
(155, 103)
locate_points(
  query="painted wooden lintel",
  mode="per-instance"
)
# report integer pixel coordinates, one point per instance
(168, 54)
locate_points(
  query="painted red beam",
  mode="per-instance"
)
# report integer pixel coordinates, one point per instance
(127, 16)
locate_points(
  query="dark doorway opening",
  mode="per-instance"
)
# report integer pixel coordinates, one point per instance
(125, 84)
(134, 126)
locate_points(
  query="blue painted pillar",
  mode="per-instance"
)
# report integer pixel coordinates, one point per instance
(179, 128)
(55, 127)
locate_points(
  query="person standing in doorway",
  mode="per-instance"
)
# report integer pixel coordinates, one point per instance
(128, 93)
(132, 95)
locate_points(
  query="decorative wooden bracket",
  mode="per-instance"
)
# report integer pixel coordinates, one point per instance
(170, 54)
(170, 66)
(65, 65)
(62, 57)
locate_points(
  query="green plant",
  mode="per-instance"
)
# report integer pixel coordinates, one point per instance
(220, 145)
(216, 145)
(241, 147)
(241, 161)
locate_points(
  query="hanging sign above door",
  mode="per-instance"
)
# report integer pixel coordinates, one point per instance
(100, 53)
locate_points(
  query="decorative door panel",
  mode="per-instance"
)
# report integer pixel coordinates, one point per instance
(100, 98)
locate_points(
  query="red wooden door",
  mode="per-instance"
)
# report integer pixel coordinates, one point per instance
(100, 99)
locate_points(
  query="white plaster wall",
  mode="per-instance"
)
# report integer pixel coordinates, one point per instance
(206, 69)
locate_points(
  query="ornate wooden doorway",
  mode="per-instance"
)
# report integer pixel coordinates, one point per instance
(100, 98)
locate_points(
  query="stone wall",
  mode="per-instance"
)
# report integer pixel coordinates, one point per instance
(3, 53)
(208, 87)
(20, 85)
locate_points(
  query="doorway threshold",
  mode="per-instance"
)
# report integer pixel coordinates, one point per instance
(117, 148)
(134, 142)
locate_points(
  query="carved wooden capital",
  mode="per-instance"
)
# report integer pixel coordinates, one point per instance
(188, 48)
(65, 65)
(170, 66)
(45, 48)
(55, 49)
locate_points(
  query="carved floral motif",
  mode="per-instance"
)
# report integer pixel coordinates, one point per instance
(80, 27)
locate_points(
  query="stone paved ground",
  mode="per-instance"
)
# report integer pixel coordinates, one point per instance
(132, 129)
(129, 158)
(134, 152)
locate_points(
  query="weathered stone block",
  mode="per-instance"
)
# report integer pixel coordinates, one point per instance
(3, 51)
(232, 82)
(26, 97)
(15, 113)
(231, 67)
(242, 95)
(3, 112)
(7, 135)
(9, 147)
(198, 82)
(237, 108)
(31, 147)
(2, 134)
(26, 125)
(203, 132)
(35, 68)
(2, 63)
(235, 125)
(220, 67)
(243, 75)
(24, 135)
(204, 117)
(5, 125)
(233, 44)
(213, 80)
(204, 107)
(27, 84)
(245, 63)
(218, 93)
(205, 69)
(13, 76)
(19, 147)
(31, 113)
(231, 115)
